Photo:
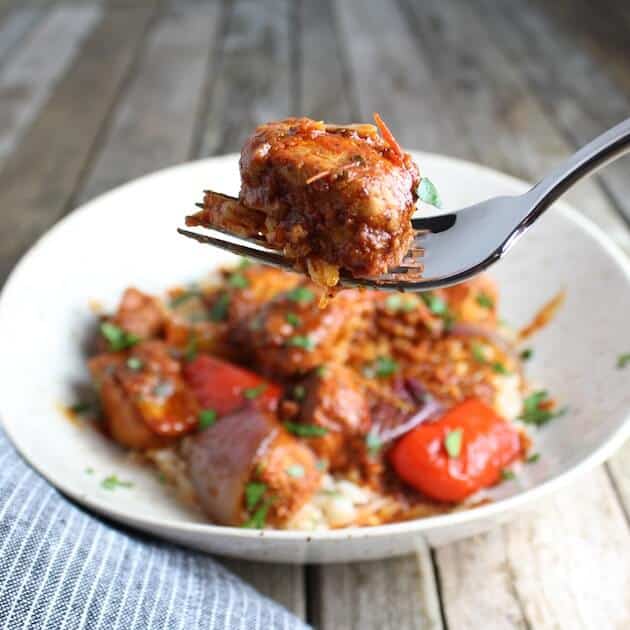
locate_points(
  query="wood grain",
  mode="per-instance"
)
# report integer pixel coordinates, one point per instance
(154, 123)
(38, 180)
(253, 77)
(27, 80)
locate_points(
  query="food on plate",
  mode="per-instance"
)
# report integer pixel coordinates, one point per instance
(262, 409)
(330, 197)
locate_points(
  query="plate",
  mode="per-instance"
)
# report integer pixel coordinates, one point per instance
(127, 237)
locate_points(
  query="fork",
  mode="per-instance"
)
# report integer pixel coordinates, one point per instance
(450, 248)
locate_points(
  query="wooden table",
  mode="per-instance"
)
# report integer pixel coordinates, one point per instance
(93, 94)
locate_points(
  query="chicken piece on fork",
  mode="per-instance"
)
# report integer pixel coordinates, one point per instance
(328, 197)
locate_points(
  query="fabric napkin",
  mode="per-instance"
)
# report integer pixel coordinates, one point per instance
(62, 568)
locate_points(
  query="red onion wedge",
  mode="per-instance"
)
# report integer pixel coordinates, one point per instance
(430, 409)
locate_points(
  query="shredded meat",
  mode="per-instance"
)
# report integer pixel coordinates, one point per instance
(330, 197)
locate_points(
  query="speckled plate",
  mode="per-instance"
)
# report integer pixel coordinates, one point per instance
(127, 236)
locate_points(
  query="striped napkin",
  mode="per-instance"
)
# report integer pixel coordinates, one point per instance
(62, 568)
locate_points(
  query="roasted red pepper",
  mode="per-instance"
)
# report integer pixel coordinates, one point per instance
(457, 455)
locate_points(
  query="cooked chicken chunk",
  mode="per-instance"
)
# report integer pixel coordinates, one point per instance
(330, 197)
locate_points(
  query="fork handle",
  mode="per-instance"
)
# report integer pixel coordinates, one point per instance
(604, 149)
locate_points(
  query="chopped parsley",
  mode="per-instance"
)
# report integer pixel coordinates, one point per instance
(428, 193)
(163, 389)
(499, 368)
(299, 392)
(301, 341)
(293, 319)
(81, 407)
(373, 443)
(207, 417)
(183, 297)
(254, 492)
(118, 338)
(244, 263)
(253, 392)
(479, 352)
(484, 300)
(623, 360)
(89, 470)
(507, 475)
(435, 303)
(301, 295)
(536, 412)
(321, 371)
(258, 518)
(238, 281)
(321, 464)
(383, 367)
(526, 354)
(305, 430)
(219, 309)
(134, 363)
(191, 349)
(453, 442)
(398, 302)
(533, 458)
(296, 471)
(112, 482)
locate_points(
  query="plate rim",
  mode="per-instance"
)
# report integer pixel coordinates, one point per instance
(435, 523)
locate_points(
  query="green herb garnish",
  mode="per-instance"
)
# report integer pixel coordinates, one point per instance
(258, 518)
(301, 341)
(112, 482)
(118, 338)
(238, 281)
(134, 363)
(305, 430)
(183, 297)
(499, 368)
(623, 360)
(526, 354)
(428, 193)
(207, 417)
(479, 352)
(293, 319)
(484, 300)
(254, 491)
(219, 309)
(299, 392)
(533, 458)
(191, 349)
(89, 470)
(253, 392)
(81, 408)
(534, 414)
(383, 367)
(373, 443)
(296, 471)
(301, 295)
(244, 263)
(321, 371)
(453, 442)
(398, 302)
(507, 475)
(435, 303)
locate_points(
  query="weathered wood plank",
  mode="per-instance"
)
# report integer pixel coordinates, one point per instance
(40, 177)
(154, 123)
(253, 78)
(326, 86)
(396, 594)
(15, 26)
(559, 567)
(283, 583)
(524, 564)
(577, 93)
(29, 77)
(389, 78)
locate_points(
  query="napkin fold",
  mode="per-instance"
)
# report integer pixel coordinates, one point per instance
(62, 568)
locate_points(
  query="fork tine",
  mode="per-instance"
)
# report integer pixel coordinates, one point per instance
(264, 256)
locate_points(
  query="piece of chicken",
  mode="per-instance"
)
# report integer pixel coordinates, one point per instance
(330, 197)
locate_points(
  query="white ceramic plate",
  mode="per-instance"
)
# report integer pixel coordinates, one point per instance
(128, 237)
